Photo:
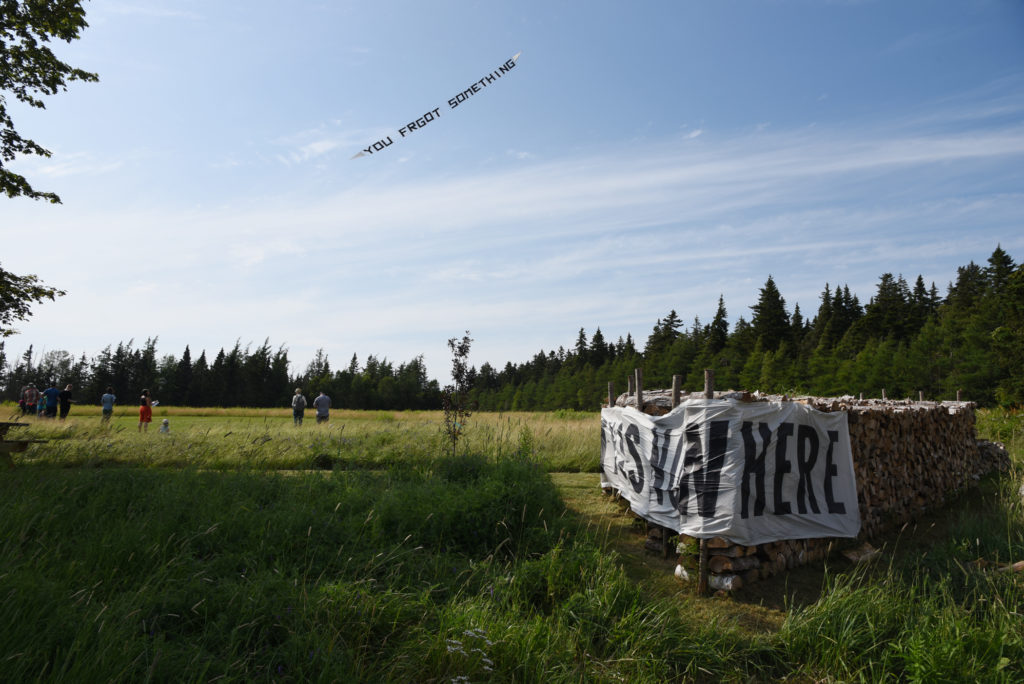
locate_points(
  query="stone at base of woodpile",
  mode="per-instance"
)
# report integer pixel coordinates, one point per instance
(862, 554)
(725, 582)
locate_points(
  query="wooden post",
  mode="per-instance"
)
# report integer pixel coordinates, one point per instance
(677, 388)
(883, 393)
(611, 394)
(920, 395)
(702, 568)
(639, 389)
(958, 395)
(862, 396)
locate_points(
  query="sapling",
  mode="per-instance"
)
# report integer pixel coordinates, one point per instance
(456, 409)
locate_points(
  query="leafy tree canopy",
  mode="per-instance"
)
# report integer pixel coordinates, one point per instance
(17, 294)
(29, 70)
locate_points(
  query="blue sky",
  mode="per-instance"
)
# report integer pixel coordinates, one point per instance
(640, 157)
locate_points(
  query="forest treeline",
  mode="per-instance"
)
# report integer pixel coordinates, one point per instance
(905, 339)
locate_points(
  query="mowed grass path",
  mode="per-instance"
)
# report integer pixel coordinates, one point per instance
(241, 548)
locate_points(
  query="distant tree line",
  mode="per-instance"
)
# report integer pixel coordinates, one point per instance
(905, 339)
(240, 376)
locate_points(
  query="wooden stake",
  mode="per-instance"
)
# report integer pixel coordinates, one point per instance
(639, 389)
(883, 393)
(958, 395)
(611, 394)
(677, 388)
(702, 568)
(920, 395)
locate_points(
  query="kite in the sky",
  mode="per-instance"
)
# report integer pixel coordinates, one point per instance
(435, 113)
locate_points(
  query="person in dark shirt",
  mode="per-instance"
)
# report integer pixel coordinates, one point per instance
(65, 402)
(51, 395)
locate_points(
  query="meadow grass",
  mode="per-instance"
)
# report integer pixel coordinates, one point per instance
(267, 439)
(241, 548)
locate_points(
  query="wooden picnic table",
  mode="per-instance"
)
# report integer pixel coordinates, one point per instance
(7, 447)
(4, 427)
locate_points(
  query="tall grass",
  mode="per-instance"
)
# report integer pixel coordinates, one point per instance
(240, 548)
(266, 439)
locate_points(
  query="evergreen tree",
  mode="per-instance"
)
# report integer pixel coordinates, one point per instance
(598, 349)
(997, 273)
(770, 322)
(718, 331)
(969, 287)
(183, 379)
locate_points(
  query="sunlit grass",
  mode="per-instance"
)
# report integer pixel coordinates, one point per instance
(241, 548)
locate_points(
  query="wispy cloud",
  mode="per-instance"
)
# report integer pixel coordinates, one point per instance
(549, 245)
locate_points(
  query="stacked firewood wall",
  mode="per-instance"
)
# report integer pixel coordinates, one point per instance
(908, 457)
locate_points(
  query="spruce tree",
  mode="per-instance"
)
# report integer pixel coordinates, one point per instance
(770, 322)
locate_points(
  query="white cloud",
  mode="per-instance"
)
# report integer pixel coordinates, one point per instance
(527, 253)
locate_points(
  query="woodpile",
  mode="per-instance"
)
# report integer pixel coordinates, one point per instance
(908, 456)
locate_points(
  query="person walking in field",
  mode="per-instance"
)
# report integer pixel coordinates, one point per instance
(30, 396)
(65, 402)
(51, 394)
(322, 404)
(145, 411)
(107, 404)
(298, 406)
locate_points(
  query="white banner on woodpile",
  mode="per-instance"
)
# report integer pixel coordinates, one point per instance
(750, 472)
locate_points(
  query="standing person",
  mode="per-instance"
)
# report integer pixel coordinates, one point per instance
(298, 406)
(52, 395)
(65, 402)
(107, 403)
(31, 396)
(145, 411)
(322, 404)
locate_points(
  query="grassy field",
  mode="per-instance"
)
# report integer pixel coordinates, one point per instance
(241, 548)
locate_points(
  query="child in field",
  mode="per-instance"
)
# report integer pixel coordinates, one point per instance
(165, 426)
(145, 410)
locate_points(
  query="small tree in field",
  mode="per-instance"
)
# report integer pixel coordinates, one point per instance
(456, 409)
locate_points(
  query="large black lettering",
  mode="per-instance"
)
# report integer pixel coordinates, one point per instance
(835, 507)
(806, 436)
(677, 462)
(704, 472)
(659, 454)
(782, 466)
(707, 490)
(753, 465)
(632, 445)
(690, 460)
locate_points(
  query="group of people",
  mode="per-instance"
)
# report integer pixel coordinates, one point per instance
(46, 403)
(322, 404)
(50, 401)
